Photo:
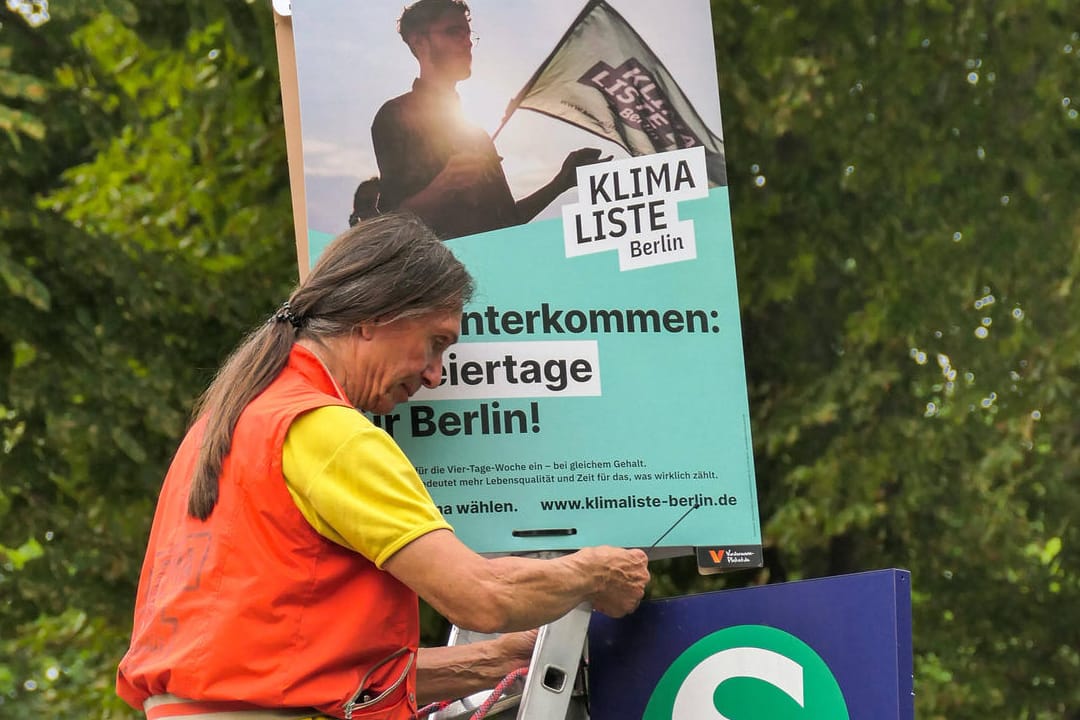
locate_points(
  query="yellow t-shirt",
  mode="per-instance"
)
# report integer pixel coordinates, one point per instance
(354, 485)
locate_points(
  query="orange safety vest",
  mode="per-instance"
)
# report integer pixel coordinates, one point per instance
(253, 607)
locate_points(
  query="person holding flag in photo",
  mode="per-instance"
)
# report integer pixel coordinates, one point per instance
(431, 160)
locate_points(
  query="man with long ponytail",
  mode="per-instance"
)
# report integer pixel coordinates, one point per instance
(292, 537)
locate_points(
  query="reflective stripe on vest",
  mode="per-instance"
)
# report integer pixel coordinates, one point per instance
(168, 707)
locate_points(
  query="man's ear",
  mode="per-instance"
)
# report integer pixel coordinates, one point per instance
(365, 331)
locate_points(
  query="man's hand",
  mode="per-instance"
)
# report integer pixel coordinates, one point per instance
(455, 671)
(515, 649)
(578, 158)
(531, 206)
(626, 577)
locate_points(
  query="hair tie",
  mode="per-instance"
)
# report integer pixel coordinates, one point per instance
(285, 314)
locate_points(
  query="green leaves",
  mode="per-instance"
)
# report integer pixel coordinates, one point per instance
(128, 238)
(21, 282)
(17, 86)
(904, 185)
(903, 380)
(16, 558)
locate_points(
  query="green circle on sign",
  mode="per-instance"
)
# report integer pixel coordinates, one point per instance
(748, 672)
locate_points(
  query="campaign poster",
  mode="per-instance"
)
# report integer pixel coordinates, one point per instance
(571, 154)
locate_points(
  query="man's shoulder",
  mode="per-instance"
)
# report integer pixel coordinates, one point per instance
(394, 108)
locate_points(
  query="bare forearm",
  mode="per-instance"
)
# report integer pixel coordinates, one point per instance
(431, 202)
(532, 205)
(447, 673)
(511, 593)
(525, 592)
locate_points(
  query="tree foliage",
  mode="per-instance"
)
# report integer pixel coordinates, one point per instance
(904, 183)
(129, 231)
(906, 232)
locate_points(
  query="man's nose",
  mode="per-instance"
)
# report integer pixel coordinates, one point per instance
(432, 375)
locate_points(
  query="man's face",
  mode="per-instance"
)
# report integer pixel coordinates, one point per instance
(446, 45)
(391, 362)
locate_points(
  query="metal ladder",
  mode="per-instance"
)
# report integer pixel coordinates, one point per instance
(551, 689)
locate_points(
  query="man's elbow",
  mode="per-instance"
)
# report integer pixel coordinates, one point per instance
(489, 612)
(481, 623)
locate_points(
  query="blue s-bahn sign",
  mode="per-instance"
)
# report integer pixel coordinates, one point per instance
(831, 649)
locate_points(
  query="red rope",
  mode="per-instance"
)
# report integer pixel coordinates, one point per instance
(500, 689)
(485, 707)
(432, 708)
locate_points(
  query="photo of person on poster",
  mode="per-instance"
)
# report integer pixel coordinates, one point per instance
(365, 201)
(431, 160)
(546, 80)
